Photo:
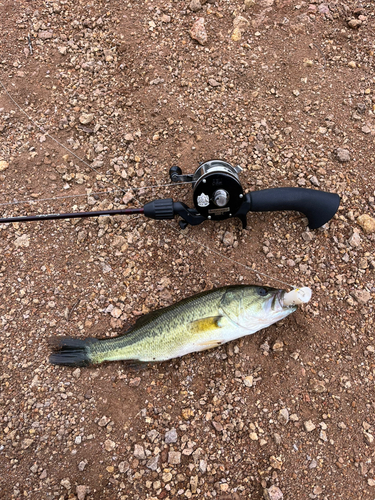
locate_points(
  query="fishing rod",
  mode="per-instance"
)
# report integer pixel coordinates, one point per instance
(218, 195)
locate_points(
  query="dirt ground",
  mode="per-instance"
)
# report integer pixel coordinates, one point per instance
(285, 89)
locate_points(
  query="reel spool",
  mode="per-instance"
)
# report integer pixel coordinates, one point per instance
(218, 193)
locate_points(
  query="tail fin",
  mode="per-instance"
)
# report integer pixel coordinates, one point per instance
(71, 352)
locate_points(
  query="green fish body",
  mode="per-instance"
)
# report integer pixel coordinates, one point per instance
(196, 323)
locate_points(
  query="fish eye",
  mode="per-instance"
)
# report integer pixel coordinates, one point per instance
(262, 292)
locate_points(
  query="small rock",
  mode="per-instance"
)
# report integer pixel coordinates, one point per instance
(355, 240)
(66, 483)
(3, 165)
(309, 426)
(123, 467)
(152, 463)
(202, 466)
(371, 482)
(317, 490)
(318, 386)
(213, 83)
(170, 436)
(283, 416)
(253, 436)
(134, 382)
(129, 137)
(82, 465)
(22, 241)
(276, 462)
(248, 381)
(109, 445)
(314, 181)
(174, 457)
(228, 239)
(366, 130)
(369, 438)
(104, 421)
(116, 312)
(354, 23)
(352, 64)
(62, 49)
(139, 452)
(198, 31)
(236, 35)
(278, 345)
(45, 35)
(273, 493)
(127, 197)
(86, 118)
(81, 491)
(367, 223)
(361, 296)
(195, 5)
(323, 436)
(26, 443)
(249, 3)
(277, 438)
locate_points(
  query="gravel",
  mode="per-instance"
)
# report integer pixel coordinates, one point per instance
(286, 92)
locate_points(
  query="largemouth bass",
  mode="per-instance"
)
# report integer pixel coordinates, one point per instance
(200, 322)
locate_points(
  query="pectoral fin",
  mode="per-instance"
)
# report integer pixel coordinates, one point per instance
(206, 324)
(204, 329)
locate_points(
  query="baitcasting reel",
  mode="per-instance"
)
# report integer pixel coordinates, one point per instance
(218, 195)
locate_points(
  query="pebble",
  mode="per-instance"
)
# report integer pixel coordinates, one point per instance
(109, 445)
(170, 436)
(195, 5)
(152, 463)
(367, 223)
(355, 240)
(82, 465)
(352, 64)
(174, 457)
(22, 241)
(45, 35)
(3, 165)
(248, 381)
(283, 416)
(104, 421)
(309, 426)
(273, 493)
(66, 483)
(343, 155)
(81, 491)
(139, 452)
(86, 118)
(354, 23)
(198, 31)
(228, 239)
(361, 296)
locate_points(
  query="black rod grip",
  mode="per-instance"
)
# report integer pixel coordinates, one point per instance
(318, 206)
(159, 209)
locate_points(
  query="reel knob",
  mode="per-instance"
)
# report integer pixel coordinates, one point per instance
(221, 198)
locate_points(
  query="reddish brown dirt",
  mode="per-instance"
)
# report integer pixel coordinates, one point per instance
(279, 102)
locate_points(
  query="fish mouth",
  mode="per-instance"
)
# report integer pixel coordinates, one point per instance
(278, 302)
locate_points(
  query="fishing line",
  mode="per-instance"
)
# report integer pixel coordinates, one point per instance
(76, 156)
(228, 258)
(39, 200)
(125, 191)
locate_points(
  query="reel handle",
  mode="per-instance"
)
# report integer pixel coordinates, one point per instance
(318, 206)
